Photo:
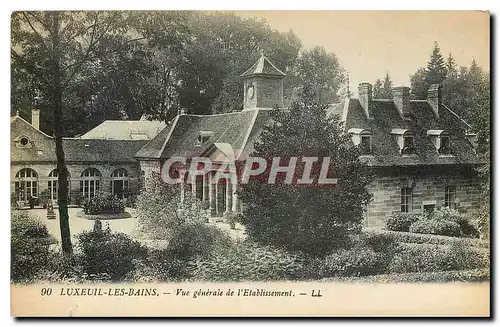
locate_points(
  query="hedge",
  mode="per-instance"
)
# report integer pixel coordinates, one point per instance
(463, 276)
(405, 237)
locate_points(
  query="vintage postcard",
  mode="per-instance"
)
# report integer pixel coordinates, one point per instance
(250, 163)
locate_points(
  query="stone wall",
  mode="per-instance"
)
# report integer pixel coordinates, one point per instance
(428, 188)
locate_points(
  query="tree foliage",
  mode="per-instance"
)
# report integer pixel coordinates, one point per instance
(383, 90)
(154, 63)
(312, 219)
(466, 91)
(321, 72)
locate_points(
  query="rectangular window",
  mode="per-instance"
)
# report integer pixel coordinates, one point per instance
(366, 144)
(408, 145)
(406, 199)
(449, 196)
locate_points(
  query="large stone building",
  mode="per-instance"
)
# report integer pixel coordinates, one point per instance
(420, 150)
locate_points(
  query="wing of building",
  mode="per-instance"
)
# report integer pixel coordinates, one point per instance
(422, 153)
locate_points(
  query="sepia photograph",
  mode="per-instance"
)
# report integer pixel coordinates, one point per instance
(250, 163)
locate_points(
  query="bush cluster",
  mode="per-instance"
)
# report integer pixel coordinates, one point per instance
(161, 211)
(437, 227)
(248, 261)
(401, 221)
(428, 258)
(103, 203)
(463, 276)
(466, 226)
(30, 242)
(189, 244)
(406, 237)
(444, 221)
(104, 253)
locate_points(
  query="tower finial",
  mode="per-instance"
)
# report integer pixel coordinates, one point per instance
(262, 53)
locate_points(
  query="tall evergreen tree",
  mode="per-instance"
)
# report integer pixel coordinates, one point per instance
(377, 89)
(387, 89)
(436, 67)
(451, 66)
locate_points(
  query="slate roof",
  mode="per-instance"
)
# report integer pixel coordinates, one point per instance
(125, 130)
(75, 149)
(239, 129)
(386, 117)
(263, 66)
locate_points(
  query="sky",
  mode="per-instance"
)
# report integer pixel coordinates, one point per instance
(371, 43)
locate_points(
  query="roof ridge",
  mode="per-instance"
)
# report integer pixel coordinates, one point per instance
(168, 136)
(247, 136)
(29, 124)
(457, 116)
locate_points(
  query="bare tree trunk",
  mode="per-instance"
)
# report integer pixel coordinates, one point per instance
(62, 199)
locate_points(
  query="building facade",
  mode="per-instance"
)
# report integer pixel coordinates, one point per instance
(420, 151)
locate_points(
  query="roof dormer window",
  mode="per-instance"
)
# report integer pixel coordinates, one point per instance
(362, 138)
(366, 144)
(405, 140)
(441, 141)
(445, 145)
(408, 145)
(203, 137)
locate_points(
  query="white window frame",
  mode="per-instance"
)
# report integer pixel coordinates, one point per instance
(406, 199)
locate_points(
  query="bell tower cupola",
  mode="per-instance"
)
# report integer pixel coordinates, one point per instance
(263, 85)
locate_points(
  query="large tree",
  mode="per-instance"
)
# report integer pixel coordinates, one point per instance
(55, 49)
(321, 72)
(313, 218)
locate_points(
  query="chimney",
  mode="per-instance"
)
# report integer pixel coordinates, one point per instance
(35, 118)
(401, 98)
(435, 97)
(365, 98)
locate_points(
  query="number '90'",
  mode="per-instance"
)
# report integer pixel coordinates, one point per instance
(46, 291)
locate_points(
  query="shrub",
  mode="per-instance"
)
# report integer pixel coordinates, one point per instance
(247, 261)
(427, 258)
(188, 244)
(160, 211)
(466, 226)
(30, 242)
(401, 221)
(114, 254)
(358, 261)
(463, 276)
(103, 203)
(197, 241)
(130, 201)
(76, 199)
(434, 226)
(404, 237)
(368, 254)
(314, 220)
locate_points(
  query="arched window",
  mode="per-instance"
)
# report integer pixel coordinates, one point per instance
(119, 182)
(90, 183)
(53, 186)
(26, 184)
